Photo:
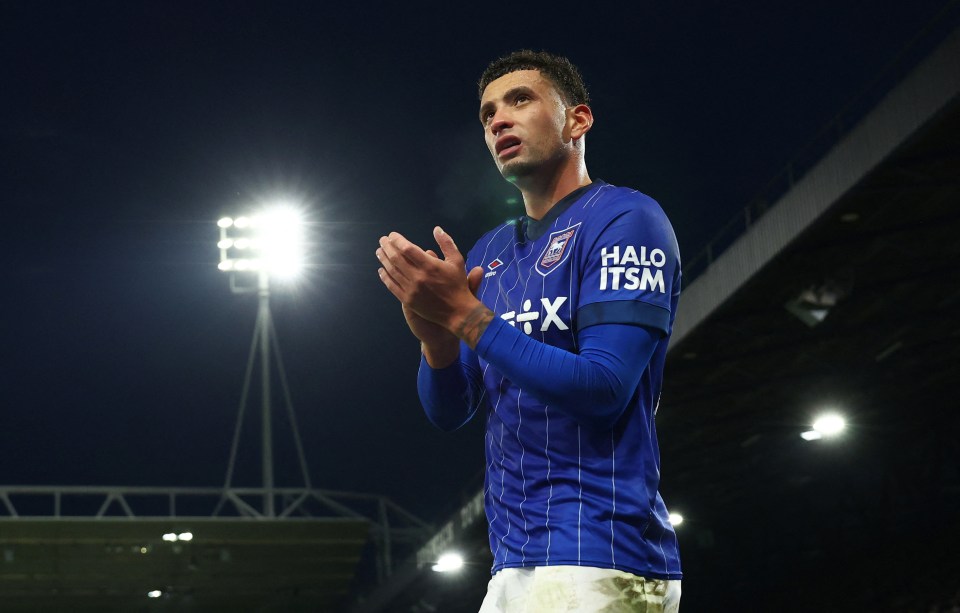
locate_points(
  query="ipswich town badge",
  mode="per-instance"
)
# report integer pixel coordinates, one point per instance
(557, 249)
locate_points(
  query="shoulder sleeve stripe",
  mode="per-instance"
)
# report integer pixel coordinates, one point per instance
(632, 312)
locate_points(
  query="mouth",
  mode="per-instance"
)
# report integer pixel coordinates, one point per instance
(507, 145)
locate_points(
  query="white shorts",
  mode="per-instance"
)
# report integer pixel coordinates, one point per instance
(555, 589)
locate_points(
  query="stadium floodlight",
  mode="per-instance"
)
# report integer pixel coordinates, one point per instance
(170, 537)
(449, 562)
(185, 536)
(827, 425)
(676, 519)
(270, 242)
(263, 245)
(154, 594)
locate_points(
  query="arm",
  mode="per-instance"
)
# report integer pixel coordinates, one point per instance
(452, 394)
(594, 386)
(612, 359)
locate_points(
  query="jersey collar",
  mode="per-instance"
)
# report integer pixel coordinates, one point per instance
(535, 228)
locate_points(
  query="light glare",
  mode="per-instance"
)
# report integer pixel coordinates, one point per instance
(225, 222)
(185, 536)
(829, 424)
(170, 537)
(811, 435)
(274, 238)
(676, 519)
(154, 594)
(448, 562)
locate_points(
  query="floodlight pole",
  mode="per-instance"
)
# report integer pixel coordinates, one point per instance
(263, 318)
(264, 335)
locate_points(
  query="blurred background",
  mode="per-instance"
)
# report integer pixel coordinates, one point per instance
(807, 156)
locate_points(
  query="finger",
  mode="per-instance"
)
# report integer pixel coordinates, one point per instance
(474, 277)
(447, 246)
(397, 246)
(390, 265)
(391, 284)
(432, 253)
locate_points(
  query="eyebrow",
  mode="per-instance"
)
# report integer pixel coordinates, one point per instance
(510, 93)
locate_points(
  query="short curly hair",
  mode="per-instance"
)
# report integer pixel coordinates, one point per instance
(557, 69)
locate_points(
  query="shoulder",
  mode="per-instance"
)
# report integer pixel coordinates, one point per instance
(626, 210)
(613, 201)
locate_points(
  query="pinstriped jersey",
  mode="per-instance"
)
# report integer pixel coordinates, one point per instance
(556, 491)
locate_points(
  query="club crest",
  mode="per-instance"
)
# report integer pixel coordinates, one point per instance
(557, 249)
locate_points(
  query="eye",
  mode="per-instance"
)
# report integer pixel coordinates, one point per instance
(521, 98)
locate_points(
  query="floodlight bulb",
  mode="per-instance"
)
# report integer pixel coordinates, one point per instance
(170, 537)
(225, 243)
(185, 536)
(830, 424)
(676, 519)
(154, 594)
(225, 265)
(241, 222)
(242, 243)
(225, 222)
(242, 265)
(448, 562)
(811, 435)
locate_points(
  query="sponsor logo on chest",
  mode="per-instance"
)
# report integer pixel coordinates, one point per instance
(528, 318)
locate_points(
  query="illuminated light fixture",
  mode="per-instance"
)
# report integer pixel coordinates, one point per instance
(449, 562)
(185, 536)
(272, 245)
(170, 537)
(827, 425)
(676, 519)
(173, 537)
(154, 594)
(271, 242)
(830, 424)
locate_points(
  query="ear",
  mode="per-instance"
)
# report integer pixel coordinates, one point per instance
(579, 121)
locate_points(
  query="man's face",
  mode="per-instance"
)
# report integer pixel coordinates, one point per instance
(523, 119)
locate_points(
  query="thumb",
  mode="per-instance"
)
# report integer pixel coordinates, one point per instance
(474, 277)
(447, 246)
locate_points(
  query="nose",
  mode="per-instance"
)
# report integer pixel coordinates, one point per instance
(501, 120)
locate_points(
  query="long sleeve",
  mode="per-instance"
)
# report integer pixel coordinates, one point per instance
(451, 396)
(593, 386)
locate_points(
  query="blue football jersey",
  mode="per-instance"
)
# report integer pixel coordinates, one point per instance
(557, 491)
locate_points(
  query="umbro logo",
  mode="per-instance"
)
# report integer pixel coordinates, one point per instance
(493, 266)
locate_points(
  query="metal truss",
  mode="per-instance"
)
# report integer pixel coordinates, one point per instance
(390, 525)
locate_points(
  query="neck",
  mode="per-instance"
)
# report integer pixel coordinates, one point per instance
(541, 193)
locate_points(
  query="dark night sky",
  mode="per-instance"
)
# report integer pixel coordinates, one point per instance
(128, 128)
